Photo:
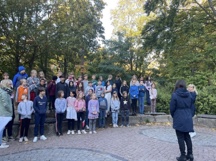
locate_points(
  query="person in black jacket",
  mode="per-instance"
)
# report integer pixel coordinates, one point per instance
(124, 88)
(182, 111)
(125, 109)
(62, 86)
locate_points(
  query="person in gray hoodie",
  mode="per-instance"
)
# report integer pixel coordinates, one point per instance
(25, 109)
(99, 89)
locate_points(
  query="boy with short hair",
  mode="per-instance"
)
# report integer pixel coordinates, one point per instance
(40, 107)
(62, 86)
(88, 88)
(20, 75)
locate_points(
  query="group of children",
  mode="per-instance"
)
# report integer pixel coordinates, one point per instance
(83, 101)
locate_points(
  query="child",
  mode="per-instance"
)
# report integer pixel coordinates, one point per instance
(85, 81)
(124, 88)
(20, 75)
(60, 107)
(79, 88)
(62, 86)
(102, 107)
(153, 97)
(142, 90)
(114, 88)
(87, 99)
(42, 76)
(108, 90)
(88, 88)
(134, 91)
(22, 89)
(71, 112)
(25, 109)
(115, 106)
(40, 107)
(193, 91)
(72, 87)
(102, 81)
(6, 77)
(125, 109)
(93, 107)
(99, 89)
(51, 88)
(94, 82)
(33, 83)
(80, 107)
(148, 87)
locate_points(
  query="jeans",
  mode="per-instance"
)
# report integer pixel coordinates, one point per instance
(115, 118)
(80, 116)
(102, 118)
(86, 117)
(25, 127)
(39, 121)
(141, 105)
(125, 117)
(148, 101)
(3, 123)
(153, 105)
(184, 137)
(59, 119)
(92, 124)
(134, 105)
(71, 123)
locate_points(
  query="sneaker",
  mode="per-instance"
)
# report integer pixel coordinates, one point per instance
(116, 125)
(84, 132)
(21, 140)
(87, 127)
(94, 132)
(35, 139)
(78, 132)
(11, 138)
(122, 126)
(4, 146)
(4, 139)
(25, 139)
(192, 134)
(57, 134)
(90, 132)
(128, 126)
(72, 132)
(68, 132)
(43, 137)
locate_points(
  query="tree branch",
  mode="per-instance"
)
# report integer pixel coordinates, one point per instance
(212, 7)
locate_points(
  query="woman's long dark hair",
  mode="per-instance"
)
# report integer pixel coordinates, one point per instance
(180, 84)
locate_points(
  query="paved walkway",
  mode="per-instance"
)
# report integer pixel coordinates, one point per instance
(140, 143)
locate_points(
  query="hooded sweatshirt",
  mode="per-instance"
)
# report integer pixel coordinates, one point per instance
(25, 109)
(60, 105)
(19, 76)
(182, 110)
(40, 105)
(134, 91)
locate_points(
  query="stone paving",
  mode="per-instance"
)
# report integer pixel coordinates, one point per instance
(137, 143)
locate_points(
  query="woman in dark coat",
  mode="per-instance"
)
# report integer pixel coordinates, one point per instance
(182, 111)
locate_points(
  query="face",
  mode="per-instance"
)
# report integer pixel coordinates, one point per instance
(24, 83)
(86, 77)
(114, 94)
(190, 89)
(108, 83)
(90, 92)
(99, 82)
(71, 83)
(90, 84)
(6, 76)
(153, 86)
(125, 95)
(101, 78)
(43, 93)
(80, 85)
(23, 97)
(93, 96)
(80, 95)
(114, 85)
(42, 82)
(34, 74)
(124, 83)
(71, 94)
(134, 82)
(62, 79)
(41, 74)
(62, 94)
(80, 78)
(141, 82)
(93, 77)
(102, 95)
(22, 72)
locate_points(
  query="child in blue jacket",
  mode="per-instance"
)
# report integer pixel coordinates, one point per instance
(134, 92)
(142, 90)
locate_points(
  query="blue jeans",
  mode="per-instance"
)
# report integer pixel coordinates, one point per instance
(148, 101)
(1, 133)
(115, 118)
(141, 105)
(102, 119)
(39, 121)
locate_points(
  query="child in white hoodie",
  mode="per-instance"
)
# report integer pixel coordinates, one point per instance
(153, 97)
(25, 109)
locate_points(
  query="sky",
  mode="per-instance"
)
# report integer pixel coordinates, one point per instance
(111, 4)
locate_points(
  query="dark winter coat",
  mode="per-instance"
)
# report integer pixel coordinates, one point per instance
(182, 110)
(64, 87)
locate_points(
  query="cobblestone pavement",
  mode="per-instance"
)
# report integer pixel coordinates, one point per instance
(138, 143)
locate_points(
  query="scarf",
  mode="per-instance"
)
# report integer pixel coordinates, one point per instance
(8, 90)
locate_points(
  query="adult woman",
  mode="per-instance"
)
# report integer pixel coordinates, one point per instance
(182, 111)
(5, 108)
(108, 90)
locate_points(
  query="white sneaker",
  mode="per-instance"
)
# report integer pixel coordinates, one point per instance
(25, 139)
(94, 132)
(116, 125)
(72, 132)
(4, 146)
(192, 134)
(21, 140)
(87, 127)
(84, 132)
(68, 132)
(35, 139)
(90, 132)
(78, 132)
(43, 137)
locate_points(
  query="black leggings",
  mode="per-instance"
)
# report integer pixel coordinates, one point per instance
(24, 127)
(71, 123)
(59, 119)
(80, 117)
(134, 105)
(184, 137)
